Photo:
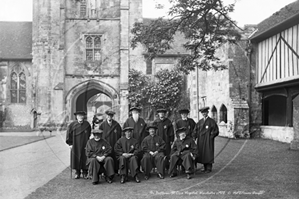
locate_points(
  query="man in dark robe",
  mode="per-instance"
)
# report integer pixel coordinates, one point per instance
(127, 148)
(166, 131)
(186, 122)
(78, 134)
(97, 120)
(153, 147)
(205, 132)
(98, 151)
(183, 153)
(137, 123)
(112, 131)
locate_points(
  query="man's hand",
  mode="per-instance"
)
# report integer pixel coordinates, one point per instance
(100, 158)
(127, 155)
(156, 152)
(151, 153)
(70, 146)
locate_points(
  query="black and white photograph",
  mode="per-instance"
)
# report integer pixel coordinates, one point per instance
(151, 99)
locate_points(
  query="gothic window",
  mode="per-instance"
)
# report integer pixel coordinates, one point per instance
(214, 113)
(223, 114)
(83, 8)
(18, 88)
(93, 47)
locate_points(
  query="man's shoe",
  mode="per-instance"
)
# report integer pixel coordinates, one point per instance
(85, 176)
(173, 175)
(94, 183)
(160, 176)
(146, 177)
(136, 178)
(108, 180)
(122, 179)
(207, 171)
(188, 176)
(77, 176)
(203, 170)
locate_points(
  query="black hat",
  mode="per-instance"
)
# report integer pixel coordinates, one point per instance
(109, 112)
(151, 125)
(97, 131)
(181, 130)
(135, 108)
(127, 129)
(204, 109)
(184, 110)
(161, 110)
(80, 113)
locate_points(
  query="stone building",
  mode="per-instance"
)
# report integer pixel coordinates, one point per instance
(228, 92)
(258, 92)
(75, 50)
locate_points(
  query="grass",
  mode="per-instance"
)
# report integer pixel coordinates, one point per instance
(243, 169)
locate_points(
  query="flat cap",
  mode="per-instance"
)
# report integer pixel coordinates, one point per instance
(161, 110)
(204, 109)
(181, 130)
(97, 131)
(151, 125)
(135, 108)
(127, 129)
(184, 110)
(110, 112)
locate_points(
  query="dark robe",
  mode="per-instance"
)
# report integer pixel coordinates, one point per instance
(153, 144)
(205, 133)
(77, 136)
(166, 132)
(111, 133)
(189, 124)
(139, 128)
(99, 148)
(124, 145)
(181, 151)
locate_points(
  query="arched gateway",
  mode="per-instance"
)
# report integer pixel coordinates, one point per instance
(78, 96)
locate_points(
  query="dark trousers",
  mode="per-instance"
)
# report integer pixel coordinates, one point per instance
(186, 161)
(95, 168)
(148, 162)
(130, 163)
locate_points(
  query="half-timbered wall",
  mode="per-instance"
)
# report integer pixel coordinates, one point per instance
(278, 57)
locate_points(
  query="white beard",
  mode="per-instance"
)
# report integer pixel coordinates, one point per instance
(135, 117)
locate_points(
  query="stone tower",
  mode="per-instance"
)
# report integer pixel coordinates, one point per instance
(82, 48)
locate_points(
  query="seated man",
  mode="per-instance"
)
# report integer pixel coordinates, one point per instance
(126, 149)
(153, 147)
(97, 151)
(184, 152)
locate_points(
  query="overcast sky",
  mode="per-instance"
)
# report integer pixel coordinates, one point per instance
(246, 11)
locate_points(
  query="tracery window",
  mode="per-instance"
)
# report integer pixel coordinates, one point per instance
(18, 87)
(93, 47)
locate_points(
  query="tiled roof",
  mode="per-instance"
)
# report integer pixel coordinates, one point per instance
(15, 40)
(285, 17)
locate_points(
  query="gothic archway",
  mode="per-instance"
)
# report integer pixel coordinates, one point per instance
(76, 99)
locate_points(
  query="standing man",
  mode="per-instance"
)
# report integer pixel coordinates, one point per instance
(78, 134)
(183, 152)
(112, 131)
(185, 122)
(137, 123)
(166, 131)
(127, 148)
(205, 132)
(98, 151)
(153, 147)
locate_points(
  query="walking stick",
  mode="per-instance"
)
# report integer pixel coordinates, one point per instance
(71, 162)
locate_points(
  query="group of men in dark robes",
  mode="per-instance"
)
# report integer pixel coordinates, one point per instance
(137, 146)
